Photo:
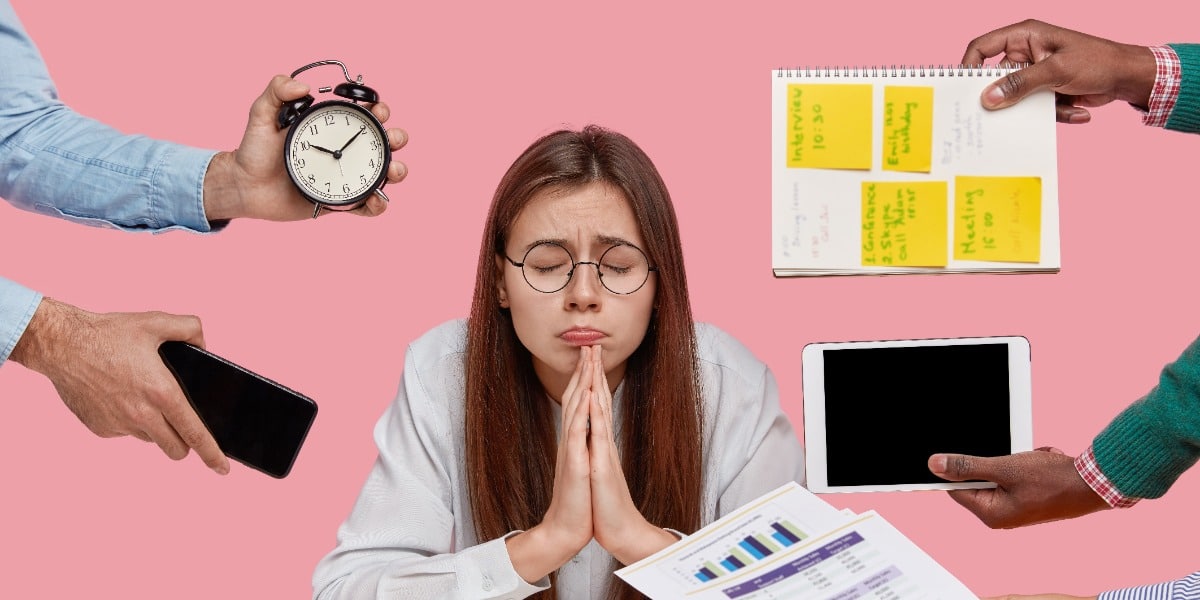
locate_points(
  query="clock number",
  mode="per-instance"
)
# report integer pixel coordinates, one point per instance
(345, 188)
(312, 179)
(329, 120)
(362, 180)
(347, 119)
(299, 162)
(304, 146)
(374, 146)
(313, 128)
(326, 187)
(372, 160)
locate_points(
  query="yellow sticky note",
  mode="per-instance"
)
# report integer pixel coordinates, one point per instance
(904, 224)
(907, 128)
(829, 126)
(998, 218)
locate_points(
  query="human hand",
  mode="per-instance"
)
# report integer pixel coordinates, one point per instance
(252, 181)
(1032, 487)
(617, 523)
(1083, 70)
(567, 525)
(107, 370)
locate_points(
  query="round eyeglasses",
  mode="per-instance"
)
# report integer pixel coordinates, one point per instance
(548, 267)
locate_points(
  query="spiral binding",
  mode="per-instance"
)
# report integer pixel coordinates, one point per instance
(902, 71)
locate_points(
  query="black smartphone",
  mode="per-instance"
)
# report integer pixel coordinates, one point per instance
(254, 420)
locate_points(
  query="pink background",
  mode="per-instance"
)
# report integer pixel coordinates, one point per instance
(328, 307)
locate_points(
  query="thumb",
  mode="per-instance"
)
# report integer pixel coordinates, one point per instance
(961, 467)
(1011, 88)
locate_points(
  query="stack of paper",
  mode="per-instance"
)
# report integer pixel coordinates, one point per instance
(791, 544)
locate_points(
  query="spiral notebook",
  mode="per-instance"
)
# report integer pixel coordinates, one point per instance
(895, 170)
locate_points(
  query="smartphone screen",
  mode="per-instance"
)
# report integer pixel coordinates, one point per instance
(255, 421)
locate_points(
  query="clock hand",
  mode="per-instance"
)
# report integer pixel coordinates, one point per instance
(325, 150)
(353, 137)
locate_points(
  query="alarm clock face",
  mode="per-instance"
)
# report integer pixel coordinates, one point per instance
(337, 153)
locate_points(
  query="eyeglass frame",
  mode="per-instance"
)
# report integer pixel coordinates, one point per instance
(575, 264)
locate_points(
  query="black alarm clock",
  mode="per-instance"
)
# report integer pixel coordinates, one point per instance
(336, 151)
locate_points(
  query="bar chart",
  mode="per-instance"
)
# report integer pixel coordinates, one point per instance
(752, 548)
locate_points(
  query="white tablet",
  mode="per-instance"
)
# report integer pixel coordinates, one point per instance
(875, 411)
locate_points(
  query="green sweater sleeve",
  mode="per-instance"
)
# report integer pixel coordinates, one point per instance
(1186, 114)
(1151, 443)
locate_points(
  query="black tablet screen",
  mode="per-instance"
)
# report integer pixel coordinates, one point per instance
(888, 409)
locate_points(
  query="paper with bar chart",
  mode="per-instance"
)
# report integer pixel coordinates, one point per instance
(790, 544)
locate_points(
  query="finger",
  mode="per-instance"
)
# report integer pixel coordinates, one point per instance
(397, 171)
(373, 207)
(575, 387)
(1066, 113)
(961, 467)
(184, 328)
(281, 89)
(1011, 88)
(192, 432)
(381, 111)
(397, 138)
(1005, 39)
(160, 432)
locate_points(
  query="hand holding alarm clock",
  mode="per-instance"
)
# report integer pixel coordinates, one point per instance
(337, 152)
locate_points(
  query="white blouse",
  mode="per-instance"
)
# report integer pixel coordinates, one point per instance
(410, 534)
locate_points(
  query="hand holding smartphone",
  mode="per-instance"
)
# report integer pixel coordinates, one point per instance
(254, 420)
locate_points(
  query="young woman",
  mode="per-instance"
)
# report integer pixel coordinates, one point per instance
(578, 419)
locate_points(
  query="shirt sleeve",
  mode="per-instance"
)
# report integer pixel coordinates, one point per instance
(1187, 588)
(1185, 115)
(1153, 441)
(17, 304)
(57, 162)
(398, 541)
(770, 453)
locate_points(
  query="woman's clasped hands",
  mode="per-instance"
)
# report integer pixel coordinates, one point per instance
(590, 498)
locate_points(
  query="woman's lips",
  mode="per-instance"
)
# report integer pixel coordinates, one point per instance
(581, 337)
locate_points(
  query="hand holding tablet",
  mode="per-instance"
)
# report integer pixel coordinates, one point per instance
(874, 412)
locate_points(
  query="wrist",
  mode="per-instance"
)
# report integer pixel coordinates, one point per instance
(46, 330)
(539, 551)
(1138, 75)
(222, 196)
(639, 541)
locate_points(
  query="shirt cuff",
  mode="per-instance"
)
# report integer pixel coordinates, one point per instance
(1166, 86)
(17, 305)
(491, 573)
(178, 189)
(1090, 471)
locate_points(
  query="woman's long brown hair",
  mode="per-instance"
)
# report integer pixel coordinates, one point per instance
(510, 431)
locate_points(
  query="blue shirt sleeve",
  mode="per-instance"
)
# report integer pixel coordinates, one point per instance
(1187, 588)
(17, 304)
(57, 162)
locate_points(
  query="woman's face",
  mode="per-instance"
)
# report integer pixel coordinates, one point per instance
(554, 327)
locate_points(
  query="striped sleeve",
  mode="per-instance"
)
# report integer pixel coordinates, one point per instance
(1187, 588)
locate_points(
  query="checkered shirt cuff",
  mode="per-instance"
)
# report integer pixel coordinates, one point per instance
(1089, 470)
(1166, 86)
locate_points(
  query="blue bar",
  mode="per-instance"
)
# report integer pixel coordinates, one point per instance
(702, 577)
(728, 565)
(750, 548)
(785, 533)
(733, 559)
(782, 539)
